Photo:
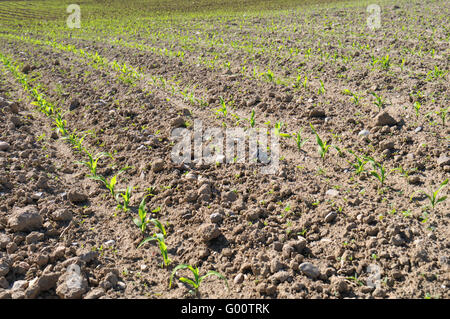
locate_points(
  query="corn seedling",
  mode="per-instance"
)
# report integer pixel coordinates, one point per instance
(93, 161)
(433, 196)
(378, 101)
(110, 185)
(402, 65)
(269, 76)
(356, 279)
(321, 88)
(60, 124)
(443, 114)
(277, 128)
(252, 118)
(323, 146)
(223, 108)
(300, 140)
(385, 62)
(355, 97)
(75, 140)
(159, 238)
(417, 106)
(379, 171)
(435, 73)
(142, 221)
(126, 196)
(197, 280)
(359, 165)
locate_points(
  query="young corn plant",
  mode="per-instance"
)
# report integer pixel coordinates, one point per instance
(110, 185)
(60, 124)
(379, 171)
(385, 62)
(252, 118)
(93, 162)
(359, 165)
(143, 220)
(300, 140)
(126, 196)
(269, 76)
(417, 107)
(75, 140)
(159, 238)
(323, 145)
(443, 114)
(433, 196)
(354, 95)
(197, 280)
(436, 73)
(277, 128)
(223, 108)
(321, 88)
(378, 101)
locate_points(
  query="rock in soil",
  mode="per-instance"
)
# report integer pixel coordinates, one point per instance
(209, 232)
(72, 284)
(4, 146)
(158, 165)
(309, 270)
(385, 119)
(25, 219)
(76, 196)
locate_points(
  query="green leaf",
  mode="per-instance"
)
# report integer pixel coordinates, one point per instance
(214, 273)
(146, 240)
(159, 225)
(375, 174)
(137, 222)
(113, 181)
(181, 266)
(189, 281)
(99, 178)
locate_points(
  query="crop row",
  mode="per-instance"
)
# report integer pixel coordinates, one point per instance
(122, 197)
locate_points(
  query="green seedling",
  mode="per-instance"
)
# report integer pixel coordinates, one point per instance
(300, 140)
(126, 196)
(223, 108)
(159, 238)
(378, 101)
(385, 62)
(402, 65)
(321, 88)
(356, 279)
(269, 76)
(75, 140)
(443, 114)
(323, 146)
(60, 124)
(197, 280)
(252, 118)
(379, 171)
(417, 106)
(436, 73)
(93, 162)
(355, 97)
(110, 185)
(142, 221)
(359, 165)
(433, 196)
(277, 129)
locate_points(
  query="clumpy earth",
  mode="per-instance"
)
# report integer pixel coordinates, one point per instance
(317, 228)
